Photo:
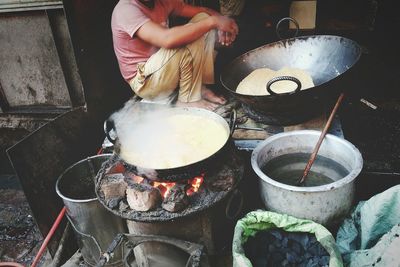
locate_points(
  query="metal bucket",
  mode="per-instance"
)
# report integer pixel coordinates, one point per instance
(95, 227)
(325, 204)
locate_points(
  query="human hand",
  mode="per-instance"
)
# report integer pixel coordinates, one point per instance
(228, 25)
(226, 38)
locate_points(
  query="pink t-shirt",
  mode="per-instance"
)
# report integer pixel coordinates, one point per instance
(128, 16)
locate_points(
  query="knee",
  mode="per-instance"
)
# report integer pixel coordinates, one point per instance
(209, 37)
(199, 16)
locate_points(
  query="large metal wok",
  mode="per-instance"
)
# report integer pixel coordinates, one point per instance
(132, 115)
(324, 57)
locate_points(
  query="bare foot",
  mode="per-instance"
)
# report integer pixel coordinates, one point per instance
(198, 104)
(209, 95)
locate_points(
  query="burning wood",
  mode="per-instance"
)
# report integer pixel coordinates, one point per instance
(176, 199)
(114, 187)
(147, 200)
(195, 184)
(133, 178)
(163, 187)
(142, 197)
(116, 168)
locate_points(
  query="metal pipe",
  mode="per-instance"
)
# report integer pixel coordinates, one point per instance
(48, 237)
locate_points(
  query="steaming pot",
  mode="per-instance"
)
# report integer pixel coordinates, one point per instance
(132, 117)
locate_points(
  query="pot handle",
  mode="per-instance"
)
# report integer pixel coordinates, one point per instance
(282, 20)
(284, 78)
(108, 126)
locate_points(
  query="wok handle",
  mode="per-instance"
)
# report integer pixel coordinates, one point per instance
(108, 126)
(282, 20)
(284, 78)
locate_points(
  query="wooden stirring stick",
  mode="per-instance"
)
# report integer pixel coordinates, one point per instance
(321, 138)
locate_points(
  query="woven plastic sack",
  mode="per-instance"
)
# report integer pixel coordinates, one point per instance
(370, 236)
(260, 220)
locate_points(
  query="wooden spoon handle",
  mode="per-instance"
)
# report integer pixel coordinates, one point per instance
(321, 138)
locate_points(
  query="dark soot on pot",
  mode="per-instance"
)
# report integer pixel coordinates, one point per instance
(289, 168)
(279, 248)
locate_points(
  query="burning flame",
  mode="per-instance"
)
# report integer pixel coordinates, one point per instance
(195, 185)
(164, 188)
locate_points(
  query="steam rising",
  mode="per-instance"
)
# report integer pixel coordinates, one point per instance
(158, 137)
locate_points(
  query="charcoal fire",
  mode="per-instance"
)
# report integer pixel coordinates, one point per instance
(131, 177)
(116, 168)
(114, 189)
(195, 185)
(191, 187)
(163, 187)
(142, 197)
(147, 200)
(176, 199)
(115, 186)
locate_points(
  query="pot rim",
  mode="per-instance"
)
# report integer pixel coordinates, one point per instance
(327, 187)
(62, 175)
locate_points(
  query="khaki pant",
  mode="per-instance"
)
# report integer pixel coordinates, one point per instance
(182, 70)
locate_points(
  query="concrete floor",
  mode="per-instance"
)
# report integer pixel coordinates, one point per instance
(20, 238)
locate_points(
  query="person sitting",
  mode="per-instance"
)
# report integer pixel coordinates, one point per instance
(162, 63)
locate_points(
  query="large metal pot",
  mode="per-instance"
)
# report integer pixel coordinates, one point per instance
(132, 117)
(326, 204)
(324, 57)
